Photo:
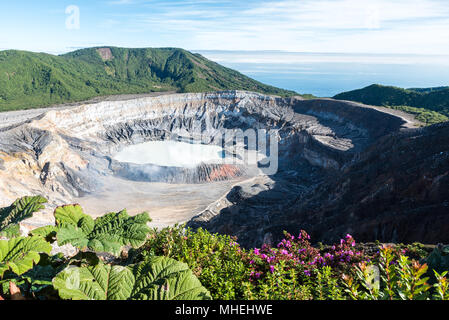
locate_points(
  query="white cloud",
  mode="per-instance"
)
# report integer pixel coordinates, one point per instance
(299, 59)
(376, 26)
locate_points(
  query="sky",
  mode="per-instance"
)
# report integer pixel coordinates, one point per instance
(329, 26)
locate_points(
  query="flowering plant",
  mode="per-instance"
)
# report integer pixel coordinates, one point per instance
(298, 253)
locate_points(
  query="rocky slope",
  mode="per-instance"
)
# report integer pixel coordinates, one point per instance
(398, 191)
(67, 156)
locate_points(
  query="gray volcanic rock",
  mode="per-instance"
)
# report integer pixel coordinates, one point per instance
(397, 190)
(67, 155)
(199, 174)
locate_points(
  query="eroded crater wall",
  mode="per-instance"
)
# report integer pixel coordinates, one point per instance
(65, 154)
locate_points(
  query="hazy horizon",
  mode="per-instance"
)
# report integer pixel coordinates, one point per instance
(327, 74)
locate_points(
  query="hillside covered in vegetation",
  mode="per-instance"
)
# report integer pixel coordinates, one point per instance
(429, 105)
(118, 257)
(29, 80)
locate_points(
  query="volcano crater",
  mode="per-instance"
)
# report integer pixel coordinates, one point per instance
(90, 154)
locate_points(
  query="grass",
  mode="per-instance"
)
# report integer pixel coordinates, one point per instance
(426, 116)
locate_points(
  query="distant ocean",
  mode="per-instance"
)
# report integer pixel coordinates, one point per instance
(325, 75)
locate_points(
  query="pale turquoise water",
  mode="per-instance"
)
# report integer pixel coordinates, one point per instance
(325, 75)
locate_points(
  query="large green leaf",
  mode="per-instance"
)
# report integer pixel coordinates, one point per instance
(108, 233)
(73, 215)
(11, 231)
(73, 235)
(101, 282)
(160, 278)
(19, 254)
(20, 210)
(163, 278)
(47, 232)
